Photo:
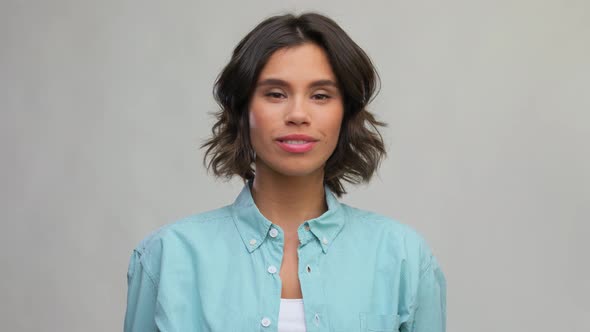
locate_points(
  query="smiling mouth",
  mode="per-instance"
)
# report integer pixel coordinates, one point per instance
(296, 146)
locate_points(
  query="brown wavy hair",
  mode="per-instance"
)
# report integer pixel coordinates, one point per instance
(360, 147)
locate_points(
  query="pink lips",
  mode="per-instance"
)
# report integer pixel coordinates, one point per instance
(296, 143)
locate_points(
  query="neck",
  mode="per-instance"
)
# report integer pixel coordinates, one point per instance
(288, 201)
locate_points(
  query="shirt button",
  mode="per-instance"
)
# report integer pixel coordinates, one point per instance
(274, 232)
(272, 269)
(306, 227)
(325, 241)
(252, 242)
(265, 322)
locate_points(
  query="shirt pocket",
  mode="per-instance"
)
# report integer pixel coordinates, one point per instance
(371, 322)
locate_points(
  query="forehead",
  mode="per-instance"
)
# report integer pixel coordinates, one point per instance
(301, 63)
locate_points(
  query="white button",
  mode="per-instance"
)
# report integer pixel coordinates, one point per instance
(306, 227)
(265, 322)
(252, 242)
(325, 241)
(274, 232)
(272, 269)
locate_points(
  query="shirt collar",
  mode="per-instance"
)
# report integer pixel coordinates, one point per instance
(254, 227)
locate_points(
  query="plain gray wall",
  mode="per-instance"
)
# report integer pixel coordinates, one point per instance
(104, 103)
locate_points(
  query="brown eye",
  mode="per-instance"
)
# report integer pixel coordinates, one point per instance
(275, 95)
(321, 96)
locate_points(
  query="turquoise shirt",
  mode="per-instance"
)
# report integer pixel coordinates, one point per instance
(219, 271)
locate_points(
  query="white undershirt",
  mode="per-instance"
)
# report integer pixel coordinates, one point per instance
(291, 316)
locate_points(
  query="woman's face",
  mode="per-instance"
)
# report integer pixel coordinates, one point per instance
(295, 112)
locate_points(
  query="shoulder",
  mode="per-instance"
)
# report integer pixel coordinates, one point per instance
(403, 238)
(196, 223)
(178, 236)
(382, 223)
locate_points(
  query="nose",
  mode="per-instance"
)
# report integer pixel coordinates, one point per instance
(297, 113)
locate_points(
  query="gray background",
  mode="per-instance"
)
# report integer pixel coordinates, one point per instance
(103, 106)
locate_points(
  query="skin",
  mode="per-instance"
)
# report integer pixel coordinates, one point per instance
(296, 93)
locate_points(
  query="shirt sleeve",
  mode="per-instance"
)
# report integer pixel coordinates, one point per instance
(141, 298)
(429, 314)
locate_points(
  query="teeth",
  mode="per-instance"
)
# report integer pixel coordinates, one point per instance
(295, 142)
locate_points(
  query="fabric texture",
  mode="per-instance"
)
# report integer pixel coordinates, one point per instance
(219, 271)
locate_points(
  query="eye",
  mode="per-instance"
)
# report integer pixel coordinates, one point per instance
(321, 96)
(275, 95)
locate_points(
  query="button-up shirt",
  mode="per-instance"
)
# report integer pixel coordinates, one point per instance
(218, 271)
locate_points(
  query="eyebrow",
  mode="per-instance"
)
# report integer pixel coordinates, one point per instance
(279, 82)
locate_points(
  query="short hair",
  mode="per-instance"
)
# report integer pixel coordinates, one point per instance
(360, 146)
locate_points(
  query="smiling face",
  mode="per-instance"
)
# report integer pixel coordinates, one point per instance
(295, 112)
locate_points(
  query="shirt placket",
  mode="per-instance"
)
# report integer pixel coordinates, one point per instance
(310, 255)
(272, 254)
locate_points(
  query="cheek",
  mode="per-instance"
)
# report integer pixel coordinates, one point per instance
(252, 115)
(336, 127)
(333, 122)
(252, 121)
(260, 125)
(254, 129)
(259, 115)
(255, 118)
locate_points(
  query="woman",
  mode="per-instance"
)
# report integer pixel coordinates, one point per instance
(287, 255)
